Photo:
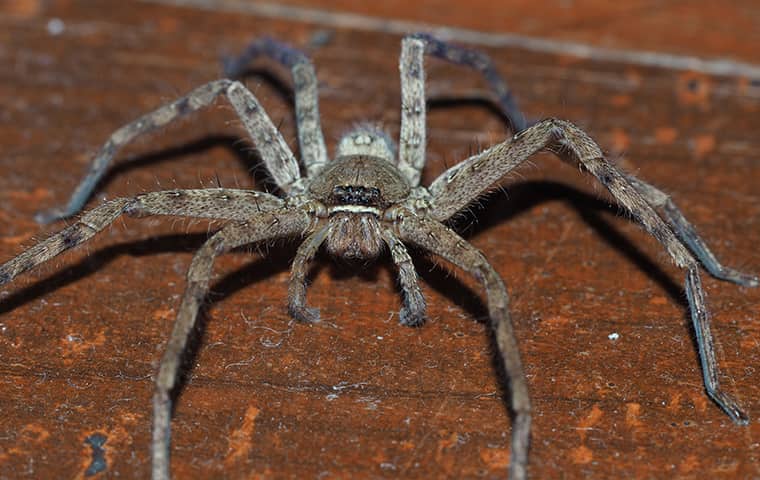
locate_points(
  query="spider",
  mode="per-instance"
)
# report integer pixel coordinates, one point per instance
(367, 198)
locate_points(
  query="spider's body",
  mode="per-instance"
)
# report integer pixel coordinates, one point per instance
(367, 198)
(356, 193)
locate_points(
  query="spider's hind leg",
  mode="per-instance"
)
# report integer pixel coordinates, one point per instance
(310, 138)
(686, 232)
(412, 142)
(483, 64)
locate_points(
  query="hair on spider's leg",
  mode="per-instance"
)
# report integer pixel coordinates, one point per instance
(482, 63)
(212, 203)
(297, 306)
(440, 240)
(310, 138)
(277, 157)
(413, 313)
(688, 234)
(262, 227)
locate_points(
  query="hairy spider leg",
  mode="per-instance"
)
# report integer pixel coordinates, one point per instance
(412, 141)
(279, 160)
(310, 138)
(214, 203)
(440, 240)
(266, 226)
(460, 184)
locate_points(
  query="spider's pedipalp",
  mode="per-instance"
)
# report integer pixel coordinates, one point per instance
(440, 240)
(266, 226)
(297, 306)
(310, 138)
(275, 153)
(412, 314)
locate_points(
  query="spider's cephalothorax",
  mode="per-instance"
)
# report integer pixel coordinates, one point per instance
(355, 192)
(368, 197)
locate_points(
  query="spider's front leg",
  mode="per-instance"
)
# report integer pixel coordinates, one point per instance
(277, 157)
(266, 226)
(656, 198)
(461, 184)
(214, 203)
(439, 240)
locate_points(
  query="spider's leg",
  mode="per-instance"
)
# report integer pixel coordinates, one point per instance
(275, 153)
(262, 227)
(85, 228)
(411, 154)
(412, 142)
(688, 234)
(413, 312)
(216, 203)
(483, 64)
(438, 239)
(459, 185)
(310, 139)
(297, 287)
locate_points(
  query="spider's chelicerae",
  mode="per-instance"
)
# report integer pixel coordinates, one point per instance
(366, 198)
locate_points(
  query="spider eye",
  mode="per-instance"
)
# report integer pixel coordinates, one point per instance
(356, 195)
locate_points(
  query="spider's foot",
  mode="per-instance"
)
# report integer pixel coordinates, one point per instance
(735, 276)
(410, 318)
(729, 405)
(49, 216)
(304, 314)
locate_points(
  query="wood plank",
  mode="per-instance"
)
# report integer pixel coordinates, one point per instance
(358, 395)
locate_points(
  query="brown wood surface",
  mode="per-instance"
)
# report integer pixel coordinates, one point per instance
(358, 395)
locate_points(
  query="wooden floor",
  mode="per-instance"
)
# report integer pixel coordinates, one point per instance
(599, 311)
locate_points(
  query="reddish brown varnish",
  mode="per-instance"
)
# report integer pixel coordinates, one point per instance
(359, 396)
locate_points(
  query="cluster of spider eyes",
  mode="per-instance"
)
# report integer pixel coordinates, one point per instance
(356, 195)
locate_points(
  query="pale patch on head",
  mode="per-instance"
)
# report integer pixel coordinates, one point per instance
(367, 140)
